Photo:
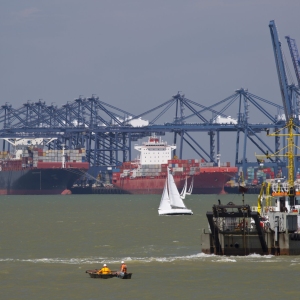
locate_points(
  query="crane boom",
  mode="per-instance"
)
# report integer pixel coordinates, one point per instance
(283, 82)
(295, 57)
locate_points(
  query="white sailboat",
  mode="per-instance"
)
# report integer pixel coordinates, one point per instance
(184, 192)
(171, 203)
(189, 192)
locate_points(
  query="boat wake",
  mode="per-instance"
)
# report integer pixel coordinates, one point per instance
(194, 257)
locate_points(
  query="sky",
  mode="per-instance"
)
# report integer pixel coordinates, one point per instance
(136, 54)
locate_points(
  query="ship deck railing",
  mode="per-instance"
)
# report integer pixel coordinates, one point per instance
(238, 231)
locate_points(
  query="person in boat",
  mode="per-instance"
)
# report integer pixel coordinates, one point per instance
(104, 270)
(123, 269)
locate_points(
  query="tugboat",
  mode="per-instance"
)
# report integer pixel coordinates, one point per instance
(263, 229)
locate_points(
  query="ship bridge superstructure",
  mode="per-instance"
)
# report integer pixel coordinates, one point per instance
(155, 151)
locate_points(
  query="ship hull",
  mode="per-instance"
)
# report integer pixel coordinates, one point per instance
(207, 181)
(236, 190)
(37, 181)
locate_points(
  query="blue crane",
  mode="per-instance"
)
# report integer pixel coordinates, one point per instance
(289, 95)
(281, 72)
(107, 134)
(295, 57)
(295, 90)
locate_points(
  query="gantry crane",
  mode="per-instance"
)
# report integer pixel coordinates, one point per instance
(295, 89)
(281, 72)
(288, 109)
(295, 57)
(107, 134)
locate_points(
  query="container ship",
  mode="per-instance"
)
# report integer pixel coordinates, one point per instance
(31, 170)
(147, 174)
(252, 180)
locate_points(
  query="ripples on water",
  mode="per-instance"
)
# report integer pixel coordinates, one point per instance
(47, 243)
(200, 257)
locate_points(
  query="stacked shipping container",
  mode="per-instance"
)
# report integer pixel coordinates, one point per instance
(39, 158)
(182, 167)
(39, 155)
(257, 175)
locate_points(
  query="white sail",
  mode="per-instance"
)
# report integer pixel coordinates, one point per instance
(165, 200)
(183, 192)
(171, 203)
(189, 192)
(175, 200)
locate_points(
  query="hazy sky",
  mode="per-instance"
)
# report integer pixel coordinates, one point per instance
(137, 54)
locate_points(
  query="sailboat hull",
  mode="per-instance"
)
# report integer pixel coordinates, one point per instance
(174, 211)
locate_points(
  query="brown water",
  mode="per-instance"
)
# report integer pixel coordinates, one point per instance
(47, 243)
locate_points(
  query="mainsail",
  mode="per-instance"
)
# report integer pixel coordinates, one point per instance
(165, 200)
(175, 200)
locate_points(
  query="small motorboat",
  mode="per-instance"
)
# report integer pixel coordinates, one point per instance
(94, 274)
(124, 275)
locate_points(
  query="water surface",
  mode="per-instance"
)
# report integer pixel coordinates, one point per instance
(47, 243)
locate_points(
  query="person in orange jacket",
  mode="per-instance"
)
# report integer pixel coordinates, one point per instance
(123, 267)
(104, 270)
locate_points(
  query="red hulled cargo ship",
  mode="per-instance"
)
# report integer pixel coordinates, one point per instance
(147, 175)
